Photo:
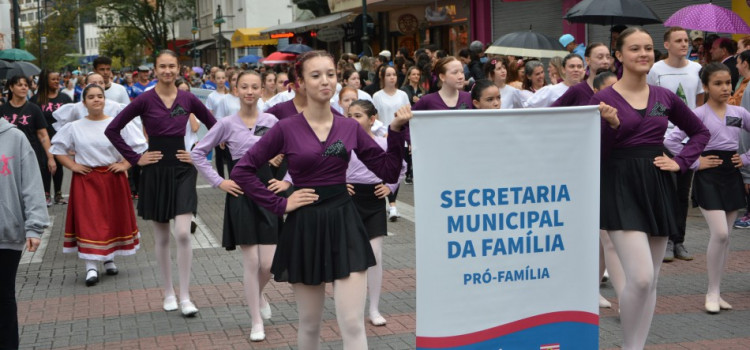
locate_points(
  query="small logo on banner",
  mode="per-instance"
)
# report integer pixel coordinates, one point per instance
(550, 347)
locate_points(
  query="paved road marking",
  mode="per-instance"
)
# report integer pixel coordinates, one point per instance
(36, 257)
(203, 237)
(406, 210)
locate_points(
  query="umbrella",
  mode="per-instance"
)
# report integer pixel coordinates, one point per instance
(611, 12)
(527, 44)
(19, 68)
(249, 59)
(709, 18)
(296, 49)
(279, 57)
(16, 55)
(198, 70)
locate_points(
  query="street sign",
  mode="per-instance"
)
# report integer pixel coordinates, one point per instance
(331, 34)
(44, 40)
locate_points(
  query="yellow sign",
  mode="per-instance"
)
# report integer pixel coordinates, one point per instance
(741, 8)
(245, 37)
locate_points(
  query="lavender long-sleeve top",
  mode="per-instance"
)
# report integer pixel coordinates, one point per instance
(313, 162)
(237, 136)
(725, 133)
(577, 95)
(634, 130)
(158, 120)
(357, 173)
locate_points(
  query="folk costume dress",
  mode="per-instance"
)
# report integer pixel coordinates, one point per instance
(635, 194)
(721, 187)
(325, 240)
(167, 188)
(245, 223)
(101, 221)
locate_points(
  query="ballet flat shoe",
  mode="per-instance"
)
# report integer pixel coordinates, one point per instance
(188, 309)
(604, 303)
(112, 269)
(724, 305)
(92, 277)
(265, 311)
(377, 320)
(258, 336)
(170, 303)
(712, 307)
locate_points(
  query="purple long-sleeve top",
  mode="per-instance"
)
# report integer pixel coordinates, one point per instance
(288, 109)
(357, 172)
(635, 130)
(158, 120)
(577, 95)
(725, 132)
(312, 162)
(237, 136)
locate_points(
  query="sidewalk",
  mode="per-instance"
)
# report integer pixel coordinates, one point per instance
(57, 311)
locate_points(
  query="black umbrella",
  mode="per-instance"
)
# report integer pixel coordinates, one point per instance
(527, 44)
(612, 12)
(296, 49)
(18, 68)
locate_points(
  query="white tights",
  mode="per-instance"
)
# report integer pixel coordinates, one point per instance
(375, 277)
(641, 258)
(608, 259)
(256, 261)
(349, 297)
(719, 225)
(184, 254)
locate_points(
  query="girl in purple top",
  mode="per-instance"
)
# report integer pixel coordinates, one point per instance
(323, 238)
(246, 224)
(451, 95)
(638, 197)
(368, 192)
(597, 59)
(717, 186)
(167, 182)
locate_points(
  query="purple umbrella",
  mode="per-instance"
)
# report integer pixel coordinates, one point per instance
(198, 70)
(709, 18)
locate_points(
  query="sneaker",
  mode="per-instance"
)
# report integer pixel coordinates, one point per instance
(393, 214)
(669, 254)
(743, 222)
(49, 201)
(59, 199)
(681, 253)
(408, 180)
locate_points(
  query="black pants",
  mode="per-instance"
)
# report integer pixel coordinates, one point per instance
(134, 177)
(407, 158)
(48, 178)
(9, 260)
(392, 196)
(222, 157)
(684, 181)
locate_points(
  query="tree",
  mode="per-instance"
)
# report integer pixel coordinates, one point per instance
(60, 33)
(124, 43)
(151, 18)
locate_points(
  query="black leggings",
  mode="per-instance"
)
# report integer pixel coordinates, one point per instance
(9, 260)
(48, 178)
(222, 157)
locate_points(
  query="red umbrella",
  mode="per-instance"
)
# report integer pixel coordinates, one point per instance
(279, 57)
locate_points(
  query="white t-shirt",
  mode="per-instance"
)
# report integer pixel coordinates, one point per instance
(231, 104)
(510, 98)
(92, 148)
(215, 104)
(685, 81)
(361, 95)
(545, 96)
(388, 105)
(117, 93)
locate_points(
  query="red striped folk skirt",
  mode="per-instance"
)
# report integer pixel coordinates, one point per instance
(101, 219)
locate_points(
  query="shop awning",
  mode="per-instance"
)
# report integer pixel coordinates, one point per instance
(310, 24)
(246, 37)
(205, 45)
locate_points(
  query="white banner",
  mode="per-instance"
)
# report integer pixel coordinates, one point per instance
(507, 219)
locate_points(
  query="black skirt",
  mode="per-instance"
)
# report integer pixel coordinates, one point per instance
(246, 223)
(371, 209)
(719, 188)
(323, 241)
(167, 188)
(635, 195)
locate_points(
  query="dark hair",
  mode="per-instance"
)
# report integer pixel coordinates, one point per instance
(710, 69)
(382, 58)
(382, 72)
(243, 73)
(89, 87)
(464, 53)
(366, 106)
(102, 60)
(530, 67)
(479, 87)
(299, 64)
(602, 77)
(727, 44)
(744, 56)
(15, 80)
(569, 57)
(43, 90)
(489, 67)
(404, 52)
(180, 81)
(671, 30)
(348, 73)
(590, 48)
(167, 52)
(440, 54)
(625, 34)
